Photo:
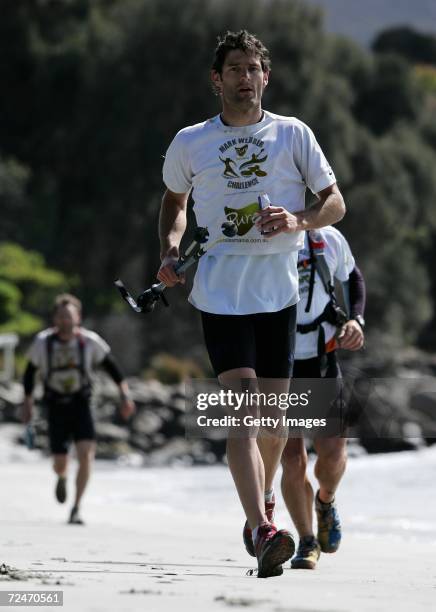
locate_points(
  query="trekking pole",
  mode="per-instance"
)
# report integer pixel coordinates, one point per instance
(147, 300)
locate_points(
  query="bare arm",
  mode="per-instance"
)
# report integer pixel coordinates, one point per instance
(172, 225)
(329, 209)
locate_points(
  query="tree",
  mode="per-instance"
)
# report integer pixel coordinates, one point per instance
(417, 47)
(27, 286)
(96, 91)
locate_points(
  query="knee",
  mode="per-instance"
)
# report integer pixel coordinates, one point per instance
(243, 444)
(270, 441)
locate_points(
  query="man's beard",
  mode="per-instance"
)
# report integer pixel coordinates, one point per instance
(66, 330)
(243, 102)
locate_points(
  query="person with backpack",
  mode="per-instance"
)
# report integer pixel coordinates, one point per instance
(322, 328)
(65, 356)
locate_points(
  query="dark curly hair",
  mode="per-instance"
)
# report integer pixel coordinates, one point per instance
(244, 41)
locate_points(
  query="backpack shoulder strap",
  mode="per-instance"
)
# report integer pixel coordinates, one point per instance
(49, 345)
(320, 263)
(81, 342)
(312, 275)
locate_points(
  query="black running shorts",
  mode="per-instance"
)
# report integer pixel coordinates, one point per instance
(262, 341)
(326, 366)
(69, 419)
(328, 394)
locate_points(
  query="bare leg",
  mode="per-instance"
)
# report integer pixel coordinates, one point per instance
(244, 459)
(272, 441)
(85, 454)
(60, 464)
(271, 448)
(330, 465)
(296, 488)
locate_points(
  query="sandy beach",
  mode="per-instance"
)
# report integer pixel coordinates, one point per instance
(164, 539)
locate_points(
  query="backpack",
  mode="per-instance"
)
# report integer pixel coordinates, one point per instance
(332, 313)
(85, 382)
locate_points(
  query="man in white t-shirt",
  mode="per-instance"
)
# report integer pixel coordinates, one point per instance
(65, 356)
(246, 288)
(319, 334)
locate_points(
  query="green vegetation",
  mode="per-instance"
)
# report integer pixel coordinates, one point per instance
(27, 286)
(97, 89)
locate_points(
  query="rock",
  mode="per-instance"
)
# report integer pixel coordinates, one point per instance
(175, 450)
(105, 410)
(12, 393)
(107, 432)
(424, 402)
(141, 442)
(148, 422)
(150, 392)
(178, 391)
(112, 450)
(178, 404)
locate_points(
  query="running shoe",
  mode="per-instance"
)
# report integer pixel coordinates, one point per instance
(272, 549)
(61, 489)
(75, 518)
(308, 553)
(329, 526)
(247, 534)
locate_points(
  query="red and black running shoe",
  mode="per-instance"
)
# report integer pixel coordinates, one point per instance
(247, 534)
(273, 548)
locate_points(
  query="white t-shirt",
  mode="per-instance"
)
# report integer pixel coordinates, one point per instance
(340, 262)
(65, 358)
(228, 168)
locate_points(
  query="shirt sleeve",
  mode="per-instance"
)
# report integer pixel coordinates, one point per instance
(112, 368)
(357, 292)
(177, 172)
(35, 353)
(99, 348)
(344, 258)
(314, 167)
(29, 378)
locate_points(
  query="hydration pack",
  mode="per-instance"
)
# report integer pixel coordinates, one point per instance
(332, 313)
(85, 387)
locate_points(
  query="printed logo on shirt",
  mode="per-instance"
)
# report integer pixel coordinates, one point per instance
(241, 151)
(65, 376)
(304, 280)
(243, 218)
(304, 271)
(242, 160)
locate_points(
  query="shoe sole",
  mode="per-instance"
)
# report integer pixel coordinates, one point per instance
(280, 550)
(61, 491)
(325, 548)
(305, 565)
(329, 550)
